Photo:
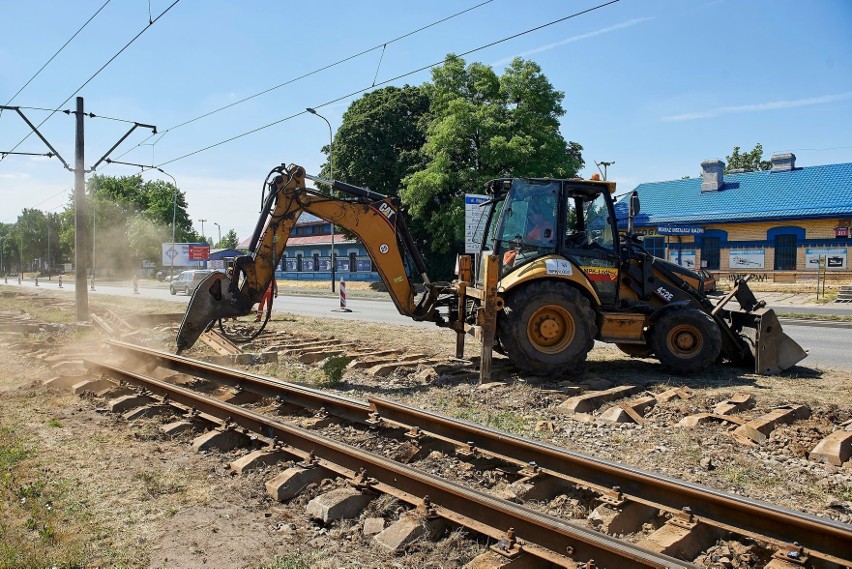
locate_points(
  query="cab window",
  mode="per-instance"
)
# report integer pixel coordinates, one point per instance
(527, 226)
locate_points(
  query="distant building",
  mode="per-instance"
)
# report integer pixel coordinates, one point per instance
(777, 225)
(307, 254)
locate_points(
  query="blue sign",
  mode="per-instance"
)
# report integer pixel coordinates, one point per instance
(679, 230)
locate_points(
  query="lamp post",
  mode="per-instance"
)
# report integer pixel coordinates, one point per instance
(219, 227)
(174, 217)
(202, 229)
(331, 189)
(48, 246)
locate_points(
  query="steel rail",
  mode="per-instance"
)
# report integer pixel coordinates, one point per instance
(268, 387)
(820, 537)
(540, 535)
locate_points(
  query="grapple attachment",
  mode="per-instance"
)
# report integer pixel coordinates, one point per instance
(213, 299)
(760, 330)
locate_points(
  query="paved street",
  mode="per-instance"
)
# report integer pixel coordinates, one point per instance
(827, 342)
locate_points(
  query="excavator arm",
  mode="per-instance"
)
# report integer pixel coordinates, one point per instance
(372, 217)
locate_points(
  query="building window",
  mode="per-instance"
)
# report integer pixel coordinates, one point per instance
(299, 263)
(710, 252)
(785, 252)
(655, 246)
(316, 262)
(353, 262)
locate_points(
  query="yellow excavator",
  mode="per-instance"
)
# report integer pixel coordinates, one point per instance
(555, 274)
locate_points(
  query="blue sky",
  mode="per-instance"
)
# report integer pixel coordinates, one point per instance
(656, 86)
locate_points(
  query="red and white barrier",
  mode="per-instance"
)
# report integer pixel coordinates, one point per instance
(342, 289)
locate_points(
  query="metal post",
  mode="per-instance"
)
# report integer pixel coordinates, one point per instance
(219, 227)
(48, 246)
(81, 293)
(202, 229)
(331, 189)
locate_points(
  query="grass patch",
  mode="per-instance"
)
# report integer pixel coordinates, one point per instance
(833, 317)
(292, 561)
(332, 371)
(54, 424)
(507, 421)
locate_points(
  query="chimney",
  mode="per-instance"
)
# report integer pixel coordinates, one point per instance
(712, 172)
(783, 162)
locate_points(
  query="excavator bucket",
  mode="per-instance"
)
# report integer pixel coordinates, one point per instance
(773, 350)
(211, 301)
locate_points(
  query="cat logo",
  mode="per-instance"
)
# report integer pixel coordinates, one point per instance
(387, 211)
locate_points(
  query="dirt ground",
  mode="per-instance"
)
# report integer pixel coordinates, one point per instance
(80, 487)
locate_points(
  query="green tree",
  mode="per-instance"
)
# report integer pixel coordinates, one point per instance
(748, 161)
(378, 144)
(483, 127)
(229, 241)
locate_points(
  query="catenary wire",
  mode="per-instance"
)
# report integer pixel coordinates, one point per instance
(52, 57)
(392, 79)
(382, 46)
(111, 59)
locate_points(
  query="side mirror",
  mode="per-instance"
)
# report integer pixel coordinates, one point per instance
(634, 204)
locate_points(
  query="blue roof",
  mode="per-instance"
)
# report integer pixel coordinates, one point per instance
(810, 192)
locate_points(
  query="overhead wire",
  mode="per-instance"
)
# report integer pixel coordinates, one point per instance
(52, 57)
(392, 79)
(104, 66)
(382, 45)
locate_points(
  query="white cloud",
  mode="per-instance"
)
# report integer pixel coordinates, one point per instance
(768, 106)
(572, 39)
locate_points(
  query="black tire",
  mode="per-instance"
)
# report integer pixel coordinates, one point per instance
(549, 328)
(636, 350)
(686, 340)
(173, 291)
(186, 291)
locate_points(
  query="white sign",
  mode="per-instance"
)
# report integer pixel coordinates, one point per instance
(474, 221)
(558, 267)
(216, 264)
(746, 258)
(834, 258)
(180, 253)
(683, 257)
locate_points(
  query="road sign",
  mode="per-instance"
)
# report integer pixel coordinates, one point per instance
(474, 221)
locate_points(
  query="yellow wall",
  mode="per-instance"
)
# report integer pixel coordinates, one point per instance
(757, 231)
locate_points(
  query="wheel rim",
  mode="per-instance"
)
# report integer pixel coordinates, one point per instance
(551, 329)
(685, 341)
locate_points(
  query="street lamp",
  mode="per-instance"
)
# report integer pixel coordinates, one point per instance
(219, 227)
(331, 189)
(202, 229)
(174, 217)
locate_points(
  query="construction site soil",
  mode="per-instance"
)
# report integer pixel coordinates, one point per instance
(84, 488)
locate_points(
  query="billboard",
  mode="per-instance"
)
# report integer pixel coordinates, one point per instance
(683, 257)
(474, 222)
(746, 258)
(184, 254)
(834, 258)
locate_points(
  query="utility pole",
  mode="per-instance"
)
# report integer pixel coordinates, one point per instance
(219, 227)
(202, 229)
(81, 292)
(605, 166)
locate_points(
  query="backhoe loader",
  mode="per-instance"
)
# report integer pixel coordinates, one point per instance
(555, 274)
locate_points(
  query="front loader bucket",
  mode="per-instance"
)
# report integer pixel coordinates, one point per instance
(211, 301)
(759, 328)
(772, 349)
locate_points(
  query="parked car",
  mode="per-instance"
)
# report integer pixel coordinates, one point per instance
(187, 281)
(709, 280)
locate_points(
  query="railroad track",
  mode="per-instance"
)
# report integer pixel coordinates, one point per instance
(686, 520)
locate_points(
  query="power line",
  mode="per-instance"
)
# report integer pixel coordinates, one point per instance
(52, 57)
(111, 59)
(381, 46)
(398, 77)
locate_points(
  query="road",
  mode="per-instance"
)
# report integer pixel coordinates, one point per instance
(827, 342)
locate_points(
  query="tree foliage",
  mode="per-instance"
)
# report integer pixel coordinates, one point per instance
(482, 127)
(748, 161)
(380, 139)
(229, 241)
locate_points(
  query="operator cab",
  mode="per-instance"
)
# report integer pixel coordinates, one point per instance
(533, 218)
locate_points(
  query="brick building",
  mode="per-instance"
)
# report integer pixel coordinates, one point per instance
(777, 225)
